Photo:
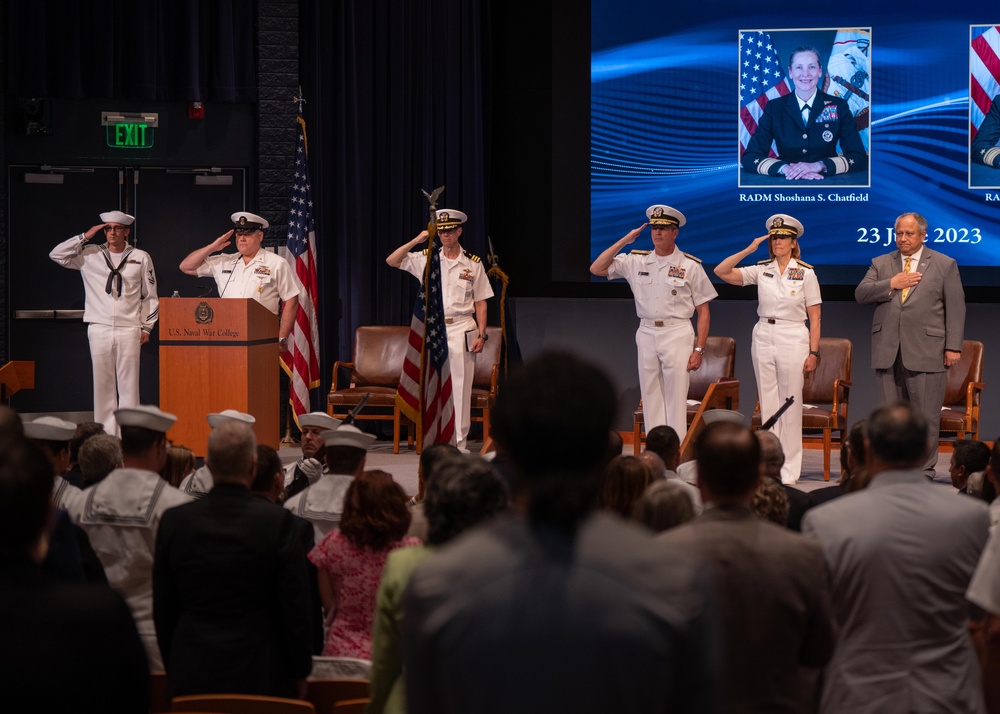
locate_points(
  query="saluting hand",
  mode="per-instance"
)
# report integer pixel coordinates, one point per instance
(94, 231)
(633, 234)
(223, 240)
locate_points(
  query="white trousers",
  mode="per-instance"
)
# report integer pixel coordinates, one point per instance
(663, 376)
(778, 352)
(115, 354)
(463, 373)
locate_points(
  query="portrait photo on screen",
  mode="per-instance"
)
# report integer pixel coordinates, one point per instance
(984, 106)
(805, 107)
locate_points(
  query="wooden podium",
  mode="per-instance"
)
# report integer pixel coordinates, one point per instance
(218, 354)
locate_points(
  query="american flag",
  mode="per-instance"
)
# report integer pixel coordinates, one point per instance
(301, 361)
(762, 79)
(984, 83)
(424, 393)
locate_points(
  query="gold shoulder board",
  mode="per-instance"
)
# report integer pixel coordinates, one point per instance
(639, 252)
(803, 264)
(470, 256)
(697, 260)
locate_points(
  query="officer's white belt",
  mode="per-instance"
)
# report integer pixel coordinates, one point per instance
(662, 321)
(779, 321)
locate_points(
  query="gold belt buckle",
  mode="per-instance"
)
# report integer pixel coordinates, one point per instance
(658, 323)
(449, 320)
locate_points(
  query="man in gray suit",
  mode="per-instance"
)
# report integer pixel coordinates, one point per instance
(901, 554)
(771, 585)
(918, 325)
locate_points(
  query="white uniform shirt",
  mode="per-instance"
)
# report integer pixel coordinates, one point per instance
(197, 483)
(138, 305)
(463, 280)
(322, 503)
(67, 497)
(663, 290)
(266, 278)
(783, 297)
(984, 590)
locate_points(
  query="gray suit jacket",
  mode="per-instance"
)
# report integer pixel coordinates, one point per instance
(901, 555)
(931, 321)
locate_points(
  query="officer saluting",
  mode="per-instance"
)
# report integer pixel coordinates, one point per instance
(669, 287)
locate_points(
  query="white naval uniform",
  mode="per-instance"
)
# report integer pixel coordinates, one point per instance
(114, 322)
(667, 291)
(198, 483)
(780, 347)
(266, 278)
(67, 497)
(464, 282)
(121, 515)
(322, 503)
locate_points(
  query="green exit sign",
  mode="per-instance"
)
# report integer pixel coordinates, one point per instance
(130, 135)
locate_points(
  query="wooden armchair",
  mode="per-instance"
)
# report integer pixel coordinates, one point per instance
(241, 704)
(960, 415)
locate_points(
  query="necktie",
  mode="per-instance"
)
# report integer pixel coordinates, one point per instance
(906, 269)
(805, 115)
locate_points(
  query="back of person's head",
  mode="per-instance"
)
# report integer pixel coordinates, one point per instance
(555, 398)
(664, 505)
(728, 461)
(137, 440)
(896, 436)
(342, 459)
(99, 455)
(625, 480)
(664, 442)
(770, 502)
(268, 464)
(430, 458)
(463, 492)
(84, 431)
(615, 445)
(971, 455)
(11, 426)
(180, 463)
(232, 451)
(375, 513)
(652, 461)
(772, 456)
(26, 481)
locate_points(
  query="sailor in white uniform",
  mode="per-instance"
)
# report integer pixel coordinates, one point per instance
(121, 309)
(306, 470)
(54, 435)
(784, 347)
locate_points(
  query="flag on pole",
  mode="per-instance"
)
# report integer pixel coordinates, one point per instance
(984, 82)
(761, 80)
(301, 360)
(848, 75)
(424, 394)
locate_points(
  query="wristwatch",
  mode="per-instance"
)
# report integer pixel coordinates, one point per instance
(282, 341)
(700, 350)
(814, 352)
(484, 337)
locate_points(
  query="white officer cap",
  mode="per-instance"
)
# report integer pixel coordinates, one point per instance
(320, 420)
(349, 435)
(660, 215)
(225, 415)
(50, 428)
(248, 221)
(117, 217)
(147, 417)
(781, 224)
(715, 415)
(449, 218)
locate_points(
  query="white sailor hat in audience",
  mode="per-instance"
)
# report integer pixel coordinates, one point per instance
(348, 435)
(248, 221)
(117, 217)
(225, 415)
(145, 416)
(50, 428)
(449, 218)
(713, 415)
(660, 215)
(320, 420)
(781, 224)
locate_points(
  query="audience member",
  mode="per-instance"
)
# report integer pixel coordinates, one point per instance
(431, 458)
(664, 505)
(771, 585)
(200, 481)
(770, 502)
(664, 442)
(84, 431)
(122, 515)
(901, 555)
(853, 474)
(615, 445)
(65, 646)
(574, 607)
(307, 470)
(322, 503)
(967, 457)
(984, 594)
(53, 435)
(462, 492)
(231, 595)
(350, 560)
(100, 455)
(180, 464)
(772, 458)
(624, 481)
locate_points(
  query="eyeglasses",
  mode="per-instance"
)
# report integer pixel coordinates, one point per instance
(115, 229)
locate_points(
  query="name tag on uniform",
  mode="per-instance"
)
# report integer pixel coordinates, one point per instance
(133, 261)
(227, 271)
(676, 271)
(796, 274)
(642, 273)
(768, 275)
